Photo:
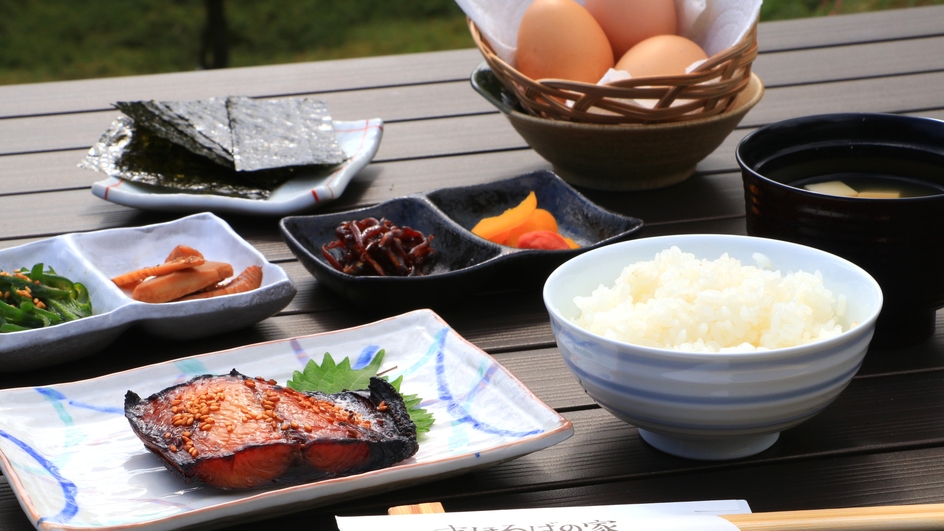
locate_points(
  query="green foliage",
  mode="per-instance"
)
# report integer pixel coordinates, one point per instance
(76, 39)
(311, 24)
(63, 39)
(331, 377)
(788, 9)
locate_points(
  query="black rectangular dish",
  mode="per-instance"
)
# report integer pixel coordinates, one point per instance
(462, 263)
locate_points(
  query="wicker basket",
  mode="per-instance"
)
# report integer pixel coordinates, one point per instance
(706, 91)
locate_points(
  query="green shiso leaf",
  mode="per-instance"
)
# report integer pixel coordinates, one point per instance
(331, 377)
(421, 417)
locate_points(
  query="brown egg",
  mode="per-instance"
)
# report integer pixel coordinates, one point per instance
(629, 22)
(662, 55)
(560, 39)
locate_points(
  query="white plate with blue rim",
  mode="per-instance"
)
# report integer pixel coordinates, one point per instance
(94, 258)
(359, 139)
(53, 440)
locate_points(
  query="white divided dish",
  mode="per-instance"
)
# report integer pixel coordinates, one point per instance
(94, 258)
(75, 464)
(360, 140)
(702, 405)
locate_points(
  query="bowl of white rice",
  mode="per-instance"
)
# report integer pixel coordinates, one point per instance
(712, 344)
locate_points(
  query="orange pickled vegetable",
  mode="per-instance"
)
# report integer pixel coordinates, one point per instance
(171, 265)
(182, 250)
(542, 239)
(179, 283)
(500, 239)
(509, 227)
(540, 219)
(248, 280)
(494, 226)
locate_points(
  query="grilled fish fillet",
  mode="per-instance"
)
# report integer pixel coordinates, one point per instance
(236, 432)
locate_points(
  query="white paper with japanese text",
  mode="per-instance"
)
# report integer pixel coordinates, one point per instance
(690, 516)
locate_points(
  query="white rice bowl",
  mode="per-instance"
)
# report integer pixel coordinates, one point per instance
(712, 405)
(680, 302)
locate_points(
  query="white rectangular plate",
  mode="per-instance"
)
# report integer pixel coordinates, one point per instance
(360, 140)
(74, 463)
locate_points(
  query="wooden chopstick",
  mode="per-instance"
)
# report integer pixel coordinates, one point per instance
(422, 508)
(924, 517)
(885, 518)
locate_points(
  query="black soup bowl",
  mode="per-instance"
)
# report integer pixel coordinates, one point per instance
(899, 241)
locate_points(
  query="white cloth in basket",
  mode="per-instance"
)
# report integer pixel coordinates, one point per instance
(714, 24)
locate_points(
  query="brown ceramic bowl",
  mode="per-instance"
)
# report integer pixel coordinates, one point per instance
(624, 156)
(900, 242)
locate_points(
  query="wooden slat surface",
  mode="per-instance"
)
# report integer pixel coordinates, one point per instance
(881, 442)
(888, 84)
(268, 81)
(842, 30)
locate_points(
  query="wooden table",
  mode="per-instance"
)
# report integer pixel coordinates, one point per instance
(881, 442)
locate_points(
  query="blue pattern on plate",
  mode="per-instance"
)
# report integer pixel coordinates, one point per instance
(299, 351)
(457, 409)
(55, 397)
(366, 355)
(434, 348)
(188, 369)
(69, 489)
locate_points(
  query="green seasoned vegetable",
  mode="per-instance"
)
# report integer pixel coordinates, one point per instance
(331, 377)
(33, 298)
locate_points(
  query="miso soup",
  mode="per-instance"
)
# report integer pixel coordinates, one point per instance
(859, 170)
(869, 185)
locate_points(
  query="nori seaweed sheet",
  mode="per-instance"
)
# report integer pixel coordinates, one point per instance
(161, 118)
(319, 130)
(275, 133)
(209, 120)
(135, 153)
(245, 134)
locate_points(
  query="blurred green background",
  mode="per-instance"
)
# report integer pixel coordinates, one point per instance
(51, 40)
